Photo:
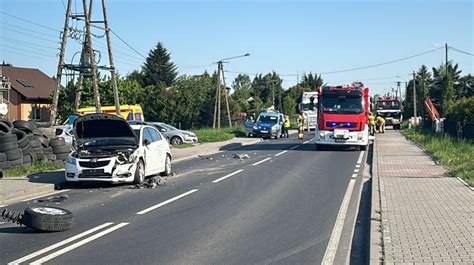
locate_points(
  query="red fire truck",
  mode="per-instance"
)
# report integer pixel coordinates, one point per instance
(343, 114)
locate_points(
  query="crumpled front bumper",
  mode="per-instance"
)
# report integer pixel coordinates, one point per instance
(112, 172)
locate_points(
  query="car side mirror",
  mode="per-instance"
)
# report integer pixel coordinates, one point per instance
(146, 142)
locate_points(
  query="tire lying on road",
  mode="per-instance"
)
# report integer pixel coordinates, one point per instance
(48, 218)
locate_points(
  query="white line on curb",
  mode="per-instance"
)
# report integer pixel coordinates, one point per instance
(261, 161)
(59, 244)
(359, 160)
(227, 176)
(167, 201)
(356, 170)
(281, 153)
(294, 147)
(3, 205)
(78, 244)
(358, 166)
(45, 195)
(331, 249)
(354, 176)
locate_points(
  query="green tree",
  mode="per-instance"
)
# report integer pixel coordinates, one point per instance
(241, 87)
(158, 67)
(311, 81)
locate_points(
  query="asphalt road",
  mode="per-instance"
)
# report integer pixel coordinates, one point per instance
(278, 206)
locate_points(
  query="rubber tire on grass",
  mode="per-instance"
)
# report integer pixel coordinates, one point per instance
(27, 150)
(38, 150)
(41, 158)
(47, 222)
(51, 157)
(8, 123)
(62, 156)
(20, 135)
(61, 149)
(8, 147)
(5, 164)
(8, 138)
(37, 132)
(24, 144)
(4, 129)
(16, 163)
(34, 158)
(29, 136)
(3, 157)
(24, 125)
(27, 165)
(35, 144)
(43, 140)
(26, 159)
(56, 142)
(14, 154)
(48, 150)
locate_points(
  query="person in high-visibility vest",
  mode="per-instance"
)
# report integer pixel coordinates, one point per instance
(371, 124)
(381, 124)
(300, 123)
(286, 126)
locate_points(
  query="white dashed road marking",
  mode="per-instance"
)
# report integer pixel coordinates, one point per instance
(261, 161)
(360, 157)
(167, 201)
(281, 153)
(59, 244)
(227, 176)
(78, 244)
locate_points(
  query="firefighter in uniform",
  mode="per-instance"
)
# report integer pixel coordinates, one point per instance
(381, 124)
(300, 123)
(286, 126)
(371, 124)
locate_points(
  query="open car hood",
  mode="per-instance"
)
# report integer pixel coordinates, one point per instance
(101, 126)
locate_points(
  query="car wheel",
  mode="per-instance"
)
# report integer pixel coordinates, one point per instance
(176, 140)
(167, 171)
(139, 173)
(47, 218)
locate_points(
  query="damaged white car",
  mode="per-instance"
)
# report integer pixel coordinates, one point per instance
(109, 149)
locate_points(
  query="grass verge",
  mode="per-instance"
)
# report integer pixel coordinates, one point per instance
(455, 154)
(180, 146)
(210, 135)
(35, 168)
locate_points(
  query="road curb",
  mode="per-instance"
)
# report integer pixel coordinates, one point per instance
(376, 245)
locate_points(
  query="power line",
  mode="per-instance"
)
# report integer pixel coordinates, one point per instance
(31, 22)
(29, 44)
(454, 49)
(25, 29)
(29, 35)
(133, 49)
(16, 48)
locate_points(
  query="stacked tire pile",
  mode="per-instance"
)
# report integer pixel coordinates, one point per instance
(22, 144)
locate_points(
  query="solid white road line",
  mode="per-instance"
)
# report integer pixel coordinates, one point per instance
(227, 176)
(261, 161)
(78, 244)
(281, 153)
(294, 147)
(359, 160)
(331, 249)
(167, 201)
(45, 195)
(3, 205)
(59, 244)
(308, 141)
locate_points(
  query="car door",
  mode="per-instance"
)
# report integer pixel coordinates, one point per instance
(150, 152)
(161, 144)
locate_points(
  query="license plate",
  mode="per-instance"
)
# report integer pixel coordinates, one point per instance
(93, 172)
(340, 140)
(264, 131)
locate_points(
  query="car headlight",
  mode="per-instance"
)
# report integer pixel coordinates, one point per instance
(359, 136)
(71, 160)
(255, 127)
(321, 135)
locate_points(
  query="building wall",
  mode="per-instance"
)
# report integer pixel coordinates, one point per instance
(27, 111)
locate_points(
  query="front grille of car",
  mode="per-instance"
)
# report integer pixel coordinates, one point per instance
(96, 164)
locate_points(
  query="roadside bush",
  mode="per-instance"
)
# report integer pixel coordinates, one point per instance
(462, 110)
(209, 135)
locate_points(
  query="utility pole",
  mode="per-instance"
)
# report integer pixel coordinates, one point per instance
(216, 120)
(446, 57)
(414, 97)
(398, 91)
(279, 100)
(87, 66)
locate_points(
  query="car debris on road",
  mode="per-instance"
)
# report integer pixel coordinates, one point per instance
(151, 183)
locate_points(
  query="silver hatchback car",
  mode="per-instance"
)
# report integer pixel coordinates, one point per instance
(174, 135)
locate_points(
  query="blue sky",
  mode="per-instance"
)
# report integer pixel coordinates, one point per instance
(289, 37)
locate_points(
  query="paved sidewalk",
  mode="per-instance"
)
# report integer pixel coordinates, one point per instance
(427, 217)
(16, 189)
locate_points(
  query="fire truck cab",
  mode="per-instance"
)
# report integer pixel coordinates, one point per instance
(343, 113)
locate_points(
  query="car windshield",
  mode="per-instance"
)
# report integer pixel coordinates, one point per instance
(169, 127)
(387, 105)
(267, 118)
(342, 105)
